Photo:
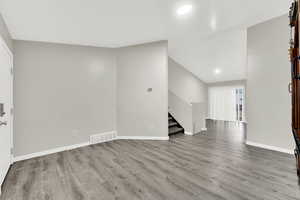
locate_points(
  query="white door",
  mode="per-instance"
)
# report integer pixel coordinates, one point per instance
(222, 103)
(6, 100)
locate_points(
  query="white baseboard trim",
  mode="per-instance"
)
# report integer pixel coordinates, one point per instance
(141, 138)
(75, 146)
(269, 147)
(191, 134)
(188, 133)
(50, 151)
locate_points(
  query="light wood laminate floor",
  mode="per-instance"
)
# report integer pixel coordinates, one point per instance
(211, 166)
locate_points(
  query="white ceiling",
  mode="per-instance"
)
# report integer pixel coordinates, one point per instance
(212, 36)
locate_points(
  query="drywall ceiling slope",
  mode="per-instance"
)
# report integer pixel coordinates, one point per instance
(115, 23)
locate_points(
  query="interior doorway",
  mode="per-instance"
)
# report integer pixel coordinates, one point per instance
(227, 103)
(6, 104)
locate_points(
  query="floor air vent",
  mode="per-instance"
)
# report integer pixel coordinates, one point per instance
(103, 137)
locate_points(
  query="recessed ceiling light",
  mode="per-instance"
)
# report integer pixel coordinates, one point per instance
(218, 71)
(185, 9)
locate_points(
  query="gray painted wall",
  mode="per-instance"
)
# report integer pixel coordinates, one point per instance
(63, 94)
(268, 101)
(228, 83)
(5, 33)
(184, 89)
(139, 111)
(186, 85)
(181, 111)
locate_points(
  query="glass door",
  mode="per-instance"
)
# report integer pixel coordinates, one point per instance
(240, 104)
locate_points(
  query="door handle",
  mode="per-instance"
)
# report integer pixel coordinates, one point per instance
(290, 88)
(3, 123)
(2, 113)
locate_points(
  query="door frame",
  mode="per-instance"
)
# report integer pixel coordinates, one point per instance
(11, 59)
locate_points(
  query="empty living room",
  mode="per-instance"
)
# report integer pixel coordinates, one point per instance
(149, 100)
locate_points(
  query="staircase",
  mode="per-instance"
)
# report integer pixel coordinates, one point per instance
(174, 126)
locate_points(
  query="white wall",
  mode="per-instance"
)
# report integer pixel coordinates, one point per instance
(5, 33)
(226, 50)
(181, 111)
(63, 94)
(229, 83)
(186, 85)
(268, 101)
(184, 90)
(141, 112)
(199, 117)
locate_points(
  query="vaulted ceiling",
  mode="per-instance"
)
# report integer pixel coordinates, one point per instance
(211, 37)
